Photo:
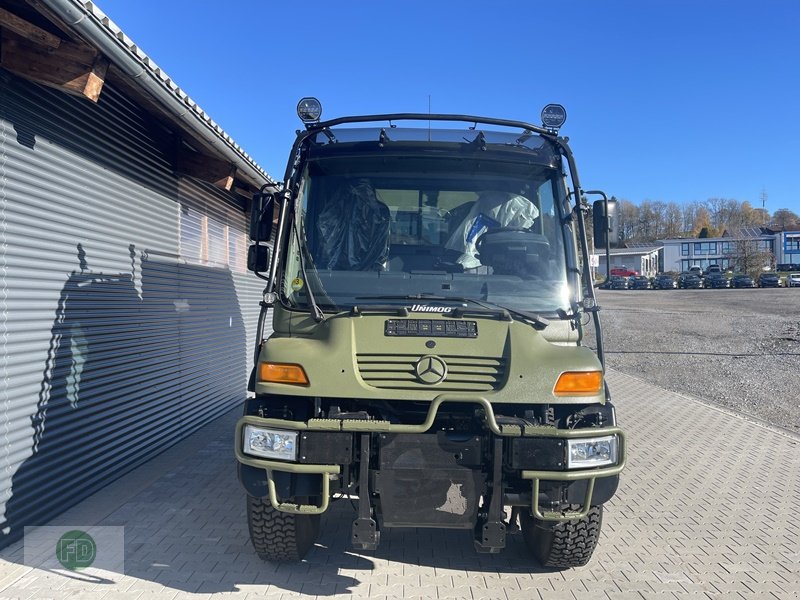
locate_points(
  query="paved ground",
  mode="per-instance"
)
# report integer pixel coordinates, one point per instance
(706, 509)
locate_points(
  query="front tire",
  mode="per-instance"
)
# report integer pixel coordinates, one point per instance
(278, 536)
(564, 545)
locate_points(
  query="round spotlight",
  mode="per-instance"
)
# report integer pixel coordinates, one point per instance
(553, 116)
(309, 110)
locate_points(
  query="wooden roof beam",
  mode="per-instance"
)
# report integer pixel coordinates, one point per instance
(28, 30)
(219, 172)
(72, 68)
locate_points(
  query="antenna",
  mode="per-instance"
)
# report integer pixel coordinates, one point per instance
(429, 122)
(763, 198)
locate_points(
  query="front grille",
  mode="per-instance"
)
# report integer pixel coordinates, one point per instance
(464, 373)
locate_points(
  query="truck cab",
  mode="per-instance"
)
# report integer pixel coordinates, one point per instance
(428, 289)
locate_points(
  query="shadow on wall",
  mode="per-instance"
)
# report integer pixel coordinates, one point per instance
(135, 362)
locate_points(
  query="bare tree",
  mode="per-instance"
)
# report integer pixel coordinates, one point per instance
(646, 225)
(784, 219)
(628, 220)
(689, 216)
(760, 216)
(749, 257)
(749, 216)
(673, 221)
(716, 208)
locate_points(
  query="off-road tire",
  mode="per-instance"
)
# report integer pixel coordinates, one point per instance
(278, 536)
(567, 544)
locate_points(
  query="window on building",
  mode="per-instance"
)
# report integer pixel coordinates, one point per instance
(213, 233)
(685, 249)
(686, 264)
(705, 248)
(791, 242)
(727, 247)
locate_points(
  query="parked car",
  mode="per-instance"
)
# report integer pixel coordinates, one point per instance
(696, 271)
(689, 281)
(713, 269)
(639, 282)
(664, 282)
(786, 267)
(793, 280)
(623, 271)
(769, 280)
(618, 282)
(716, 281)
(742, 281)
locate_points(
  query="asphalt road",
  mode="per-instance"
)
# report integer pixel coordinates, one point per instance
(739, 349)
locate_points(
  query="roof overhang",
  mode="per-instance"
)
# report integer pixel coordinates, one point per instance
(73, 46)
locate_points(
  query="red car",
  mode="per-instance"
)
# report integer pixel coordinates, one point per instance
(623, 271)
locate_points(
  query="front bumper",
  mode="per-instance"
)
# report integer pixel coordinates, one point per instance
(492, 429)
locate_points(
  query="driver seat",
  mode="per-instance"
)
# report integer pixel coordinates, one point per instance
(354, 229)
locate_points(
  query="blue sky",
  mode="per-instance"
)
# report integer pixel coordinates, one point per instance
(667, 100)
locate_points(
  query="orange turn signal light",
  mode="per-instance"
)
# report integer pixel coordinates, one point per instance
(579, 383)
(282, 373)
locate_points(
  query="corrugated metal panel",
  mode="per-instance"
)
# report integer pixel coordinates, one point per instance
(114, 345)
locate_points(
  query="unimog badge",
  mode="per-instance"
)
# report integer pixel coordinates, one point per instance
(431, 309)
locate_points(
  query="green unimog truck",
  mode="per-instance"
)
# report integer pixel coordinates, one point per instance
(429, 287)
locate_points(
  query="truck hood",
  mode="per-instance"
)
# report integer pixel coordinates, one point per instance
(366, 357)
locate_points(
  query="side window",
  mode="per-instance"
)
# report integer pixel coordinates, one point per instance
(213, 235)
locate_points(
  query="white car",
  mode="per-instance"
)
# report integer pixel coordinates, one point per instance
(793, 280)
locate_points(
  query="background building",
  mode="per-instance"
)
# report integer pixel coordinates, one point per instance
(645, 259)
(725, 251)
(788, 245)
(126, 310)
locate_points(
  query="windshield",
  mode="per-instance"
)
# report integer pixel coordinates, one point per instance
(395, 228)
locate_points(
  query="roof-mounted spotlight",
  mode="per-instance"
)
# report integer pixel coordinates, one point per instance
(553, 117)
(309, 110)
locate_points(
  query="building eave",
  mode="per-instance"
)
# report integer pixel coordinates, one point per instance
(88, 22)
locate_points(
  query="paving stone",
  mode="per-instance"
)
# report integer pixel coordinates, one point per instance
(682, 526)
(17, 593)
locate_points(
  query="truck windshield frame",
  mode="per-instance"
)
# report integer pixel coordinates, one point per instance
(469, 219)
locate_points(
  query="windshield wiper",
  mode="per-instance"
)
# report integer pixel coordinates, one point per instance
(538, 321)
(502, 312)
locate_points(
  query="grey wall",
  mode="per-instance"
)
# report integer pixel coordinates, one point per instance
(126, 317)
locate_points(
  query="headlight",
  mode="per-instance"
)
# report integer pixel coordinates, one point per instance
(309, 110)
(270, 443)
(592, 452)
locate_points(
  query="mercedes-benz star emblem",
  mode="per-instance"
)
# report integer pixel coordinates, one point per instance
(430, 369)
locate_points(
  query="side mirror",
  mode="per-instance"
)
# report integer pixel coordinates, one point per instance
(261, 217)
(605, 225)
(258, 258)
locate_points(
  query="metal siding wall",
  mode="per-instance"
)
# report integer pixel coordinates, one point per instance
(113, 346)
